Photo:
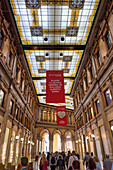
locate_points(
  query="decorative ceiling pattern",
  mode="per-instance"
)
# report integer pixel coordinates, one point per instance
(54, 22)
(54, 19)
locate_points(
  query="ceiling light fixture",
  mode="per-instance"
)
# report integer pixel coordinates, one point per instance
(92, 135)
(45, 39)
(17, 137)
(87, 137)
(47, 54)
(22, 139)
(76, 141)
(62, 38)
(61, 54)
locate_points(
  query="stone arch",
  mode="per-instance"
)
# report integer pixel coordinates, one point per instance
(56, 131)
(42, 131)
(56, 134)
(66, 132)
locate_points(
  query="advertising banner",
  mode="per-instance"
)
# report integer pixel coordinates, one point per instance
(61, 116)
(55, 87)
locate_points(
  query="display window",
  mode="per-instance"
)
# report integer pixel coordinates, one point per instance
(5, 145)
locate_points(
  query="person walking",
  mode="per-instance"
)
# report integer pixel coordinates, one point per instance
(92, 165)
(86, 158)
(43, 162)
(53, 162)
(107, 163)
(60, 163)
(71, 159)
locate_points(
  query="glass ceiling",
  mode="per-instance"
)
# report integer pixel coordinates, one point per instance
(54, 22)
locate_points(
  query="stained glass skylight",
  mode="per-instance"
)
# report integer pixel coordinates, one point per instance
(54, 22)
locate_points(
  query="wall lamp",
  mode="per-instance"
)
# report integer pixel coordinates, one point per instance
(92, 135)
(112, 128)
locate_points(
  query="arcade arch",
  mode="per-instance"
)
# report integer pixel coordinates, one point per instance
(68, 141)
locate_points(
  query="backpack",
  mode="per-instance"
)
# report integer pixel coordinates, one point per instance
(53, 160)
(60, 163)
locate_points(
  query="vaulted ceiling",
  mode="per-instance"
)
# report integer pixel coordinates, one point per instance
(54, 35)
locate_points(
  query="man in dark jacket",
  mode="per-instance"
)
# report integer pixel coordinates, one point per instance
(60, 163)
(86, 158)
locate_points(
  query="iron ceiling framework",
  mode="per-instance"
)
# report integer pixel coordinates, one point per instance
(54, 35)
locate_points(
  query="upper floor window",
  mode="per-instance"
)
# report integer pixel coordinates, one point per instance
(9, 59)
(55, 117)
(97, 106)
(99, 58)
(11, 107)
(44, 115)
(21, 116)
(91, 71)
(49, 116)
(86, 82)
(86, 117)
(1, 38)
(2, 96)
(41, 114)
(108, 39)
(108, 96)
(16, 113)
(91, 113)
(67, 119)
(70, 119)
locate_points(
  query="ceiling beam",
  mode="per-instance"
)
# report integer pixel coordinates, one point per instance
(45, 94)
(42, 78)
(54, 47)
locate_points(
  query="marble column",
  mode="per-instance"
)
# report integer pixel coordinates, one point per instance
(4, 124)
(106, 125)
(14, 153)
(50, 143)
(73, 143)
(85, 131)
(62, 143)
(20, 148)
(94, 144)
(100, 140)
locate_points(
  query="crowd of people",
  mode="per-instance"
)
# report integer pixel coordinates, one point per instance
(61, 161)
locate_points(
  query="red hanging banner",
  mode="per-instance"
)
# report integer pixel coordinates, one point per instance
(61, 116)
(55, 87)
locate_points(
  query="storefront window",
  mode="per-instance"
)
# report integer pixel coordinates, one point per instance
(108, 39)
(5, 145)
(2, 96)
(108, 97)
(104, 139)
(12, 147)
(97, 106)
